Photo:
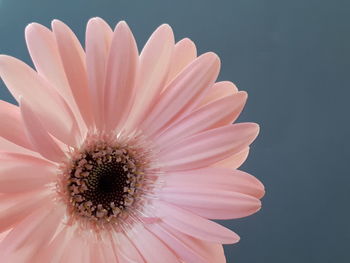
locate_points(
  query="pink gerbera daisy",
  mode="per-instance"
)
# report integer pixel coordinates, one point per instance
(113, 156)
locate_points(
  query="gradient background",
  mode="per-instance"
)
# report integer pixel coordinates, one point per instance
(293, 58)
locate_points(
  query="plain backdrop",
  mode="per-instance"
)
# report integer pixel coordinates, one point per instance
(293, 59)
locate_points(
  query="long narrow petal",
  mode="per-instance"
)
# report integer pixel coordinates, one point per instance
(154, 64)
(121, 72)
(42, 225)
(218, 91)
(98, 41)
(12, 127)
(125, 249)
(15, 207)
(7, 146)
(212, 204)
(19, 173)
(145, 242)
(53, 111)
(44, 52)
(188, 248)
(73, 59)
(53, 251)
(184, 53)
(234, 161)
(38, 135)
(216, 178)
(208, 147)
(216, 114)
(194, 225)
(185, 252)
(183, 93)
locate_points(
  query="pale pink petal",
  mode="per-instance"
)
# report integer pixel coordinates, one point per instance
(98, 41)
(15, 207)
(38, 135)
(154, 64)
(216, 114)
(73, 251)
(125, 249)
(234, 161)
(41, 224)
(198, 250)
(12, 127)
(211, 203)
(183, 93)
(53, 111)
(108, 253)
(146, 242)
(194, 225)
(218, 91)
(73, 59)
(216, 178)
(208, 147)
(121, 72)
(44, 52)
(185, 252)
(19, 173)
(184, 53)
(7, 146)
(54, 251)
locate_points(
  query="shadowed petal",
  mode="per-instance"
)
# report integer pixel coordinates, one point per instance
(194, 225)
(183, 93)
(38, 135)
(98, 41)
(184, 53)
(48, 105)
(73, 59)
(208, 147)
(154, 64)
(216, 114)
(121, 72)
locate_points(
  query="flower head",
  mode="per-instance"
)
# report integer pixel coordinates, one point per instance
(116, 156)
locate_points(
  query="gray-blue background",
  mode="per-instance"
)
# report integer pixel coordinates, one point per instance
(293, 59)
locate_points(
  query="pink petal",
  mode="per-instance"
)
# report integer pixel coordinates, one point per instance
(7, 146)
(53, 251)
(194, 225)
(188, 247)
(183, 93)
(98, 41)
(19, 173)
(234, 161)
(12, 127)
(218, 91)
(42, 225)
(184, 53)
(211, 203)
(218, 113)
(146, 242)
(208, 147)
(15, 207)
(154, 64)
(185, 252)
(44, 52)
(38, 135)
(49, 106)
(217, 179)
(125, 249)
(73, 59)
(121, 71)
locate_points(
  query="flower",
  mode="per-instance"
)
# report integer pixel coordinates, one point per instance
(112, 156)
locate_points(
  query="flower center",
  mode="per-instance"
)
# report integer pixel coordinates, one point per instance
(103, 181)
